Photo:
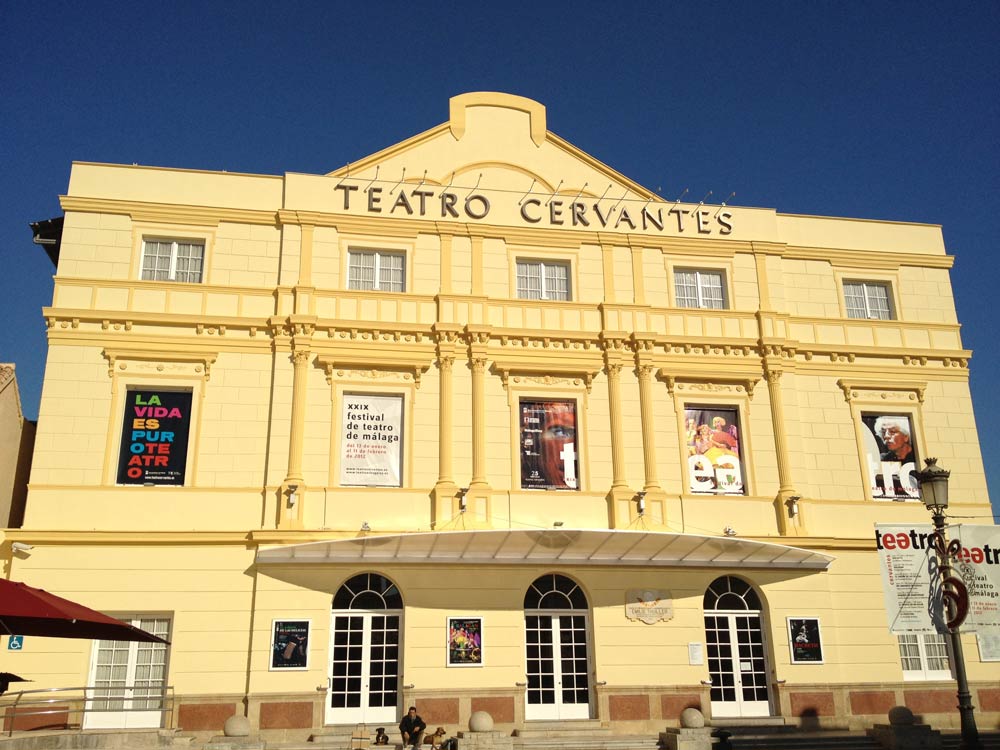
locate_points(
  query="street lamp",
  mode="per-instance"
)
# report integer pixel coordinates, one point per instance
(933, 482)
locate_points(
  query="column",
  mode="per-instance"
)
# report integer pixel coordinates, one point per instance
(478, 422)
(787, 523)
(645, 374)
(617, 437)
(293, 488)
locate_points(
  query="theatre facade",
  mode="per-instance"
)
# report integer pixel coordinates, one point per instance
(479, 423)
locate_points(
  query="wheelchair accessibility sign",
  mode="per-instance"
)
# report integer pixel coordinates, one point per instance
(15, 643)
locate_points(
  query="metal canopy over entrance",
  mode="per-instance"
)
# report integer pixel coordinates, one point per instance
(552, 547)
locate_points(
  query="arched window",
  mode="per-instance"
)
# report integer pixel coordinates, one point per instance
(368, 591)
(729, 593)
(553, 591)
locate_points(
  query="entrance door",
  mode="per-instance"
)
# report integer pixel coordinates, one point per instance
(128, 678)
(365, 652)
(737, 660)
(557, 654)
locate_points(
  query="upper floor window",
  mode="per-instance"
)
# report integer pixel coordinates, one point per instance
(376, 270)
(543, 280)
(868, 300)
(173, 260)
(924, 656)
(704, 289)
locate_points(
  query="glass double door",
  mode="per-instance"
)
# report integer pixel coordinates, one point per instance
(364, 668)
(737, 664)
(558, 666)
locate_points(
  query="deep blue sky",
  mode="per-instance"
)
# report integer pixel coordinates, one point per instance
(873, 110)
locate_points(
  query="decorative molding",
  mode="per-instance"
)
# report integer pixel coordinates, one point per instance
(718, 384)
(159, 361)
(876, 390)
(545, 375)
(404, 367)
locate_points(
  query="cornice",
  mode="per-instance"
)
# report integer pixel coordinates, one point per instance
(170, 213)
(868, 259)
(128, 537)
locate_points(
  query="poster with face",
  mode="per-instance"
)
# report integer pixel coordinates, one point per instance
(712, 436)
(891, 456)
(549, 454)
(371, 440)
(154, 437)
(290, 644)
(804, 640)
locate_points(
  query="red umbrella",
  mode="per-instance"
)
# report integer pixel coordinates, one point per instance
(25, 610)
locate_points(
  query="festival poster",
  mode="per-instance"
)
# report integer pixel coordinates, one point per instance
(713, 443)
(890, 449)
(804, 640)
(910, 578)
(154, 438)
(978, 565)
(289, 644)
(549, 452)
(465, 641)
(371, 440)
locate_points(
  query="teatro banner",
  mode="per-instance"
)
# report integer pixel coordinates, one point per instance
(371, 440)
(891, 456)
(912, 598)
(713, 445)
(154, 438)
(549, 458)
(978, 565)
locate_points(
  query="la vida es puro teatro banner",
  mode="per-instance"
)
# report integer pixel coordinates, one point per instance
(154, 441)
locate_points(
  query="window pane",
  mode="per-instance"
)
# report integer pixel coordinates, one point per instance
(390, 272)
(937, 651)
(156, 261)
(529, 280)
(189, 262)
(361, 271)
(686, 288)
(878, 301)
(711, 290)
(556, 281)
(854, 299)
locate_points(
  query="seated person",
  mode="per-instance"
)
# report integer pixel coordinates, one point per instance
(412, 728)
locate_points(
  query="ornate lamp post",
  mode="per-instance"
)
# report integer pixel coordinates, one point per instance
(934, 491)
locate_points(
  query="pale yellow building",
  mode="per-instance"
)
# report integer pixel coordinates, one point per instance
(478, 423)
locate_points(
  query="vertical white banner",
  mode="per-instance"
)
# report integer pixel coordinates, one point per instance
(907, 559)
(371, 440)
(978, 565)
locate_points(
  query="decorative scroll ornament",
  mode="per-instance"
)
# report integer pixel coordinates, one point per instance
(648, 606)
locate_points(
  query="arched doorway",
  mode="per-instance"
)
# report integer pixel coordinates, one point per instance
(737, 653)
(556, 623)
(365, 651)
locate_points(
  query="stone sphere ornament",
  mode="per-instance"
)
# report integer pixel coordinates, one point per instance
(237, 726)
(481, 721)
(692, 718)
(901, 715)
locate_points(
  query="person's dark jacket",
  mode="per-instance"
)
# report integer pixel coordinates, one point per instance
(412, 726)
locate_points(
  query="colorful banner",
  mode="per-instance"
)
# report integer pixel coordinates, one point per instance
(465, 641)
(371, 440)
(890, 456)
(549, 458)
(713, 444)
(154, 437)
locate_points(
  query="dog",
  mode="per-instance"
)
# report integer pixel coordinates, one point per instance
(381, 738)
(436, 740)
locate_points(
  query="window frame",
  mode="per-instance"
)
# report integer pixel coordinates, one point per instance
(865, 284)
(174, 242)
(698, 271)
(354, 251)
(542, 263)
(925, 673)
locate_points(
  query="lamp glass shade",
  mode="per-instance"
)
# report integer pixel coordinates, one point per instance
(933, 484)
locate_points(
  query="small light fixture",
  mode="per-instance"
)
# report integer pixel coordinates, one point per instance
(557, 524)
(21, 547)
(729, 531)
(933, 482)
(793, 505)
(292, 496)
(365, 526)
(641, 502)
(462, 503)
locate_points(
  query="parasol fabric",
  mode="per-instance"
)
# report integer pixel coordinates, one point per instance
(25, 610)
